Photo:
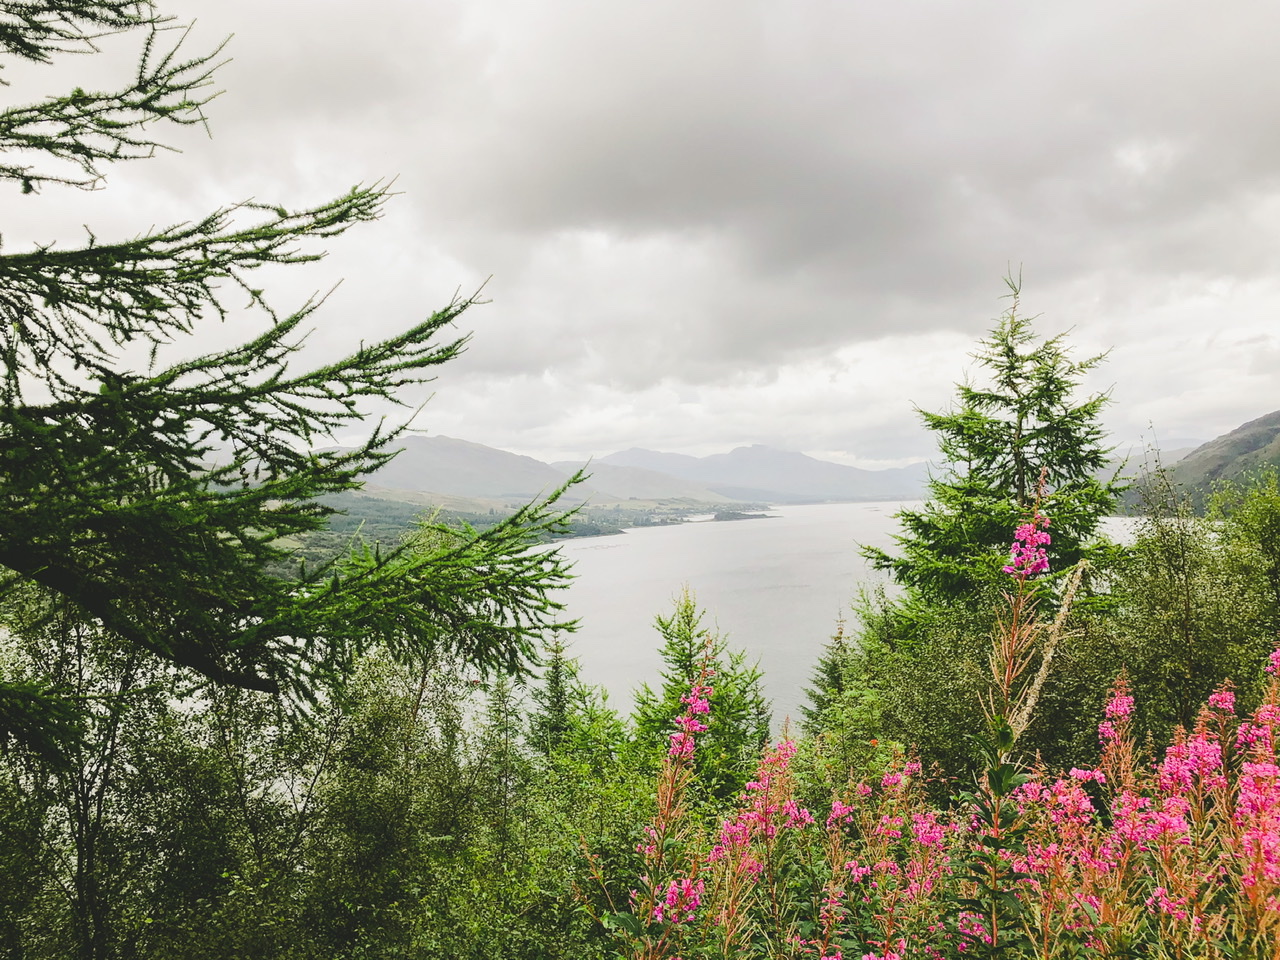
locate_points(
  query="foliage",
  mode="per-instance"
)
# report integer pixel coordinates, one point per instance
(1023, 425)
(740, 720)
(1247, 510)
(1122, 858)
(1192, 606)
(155, 495)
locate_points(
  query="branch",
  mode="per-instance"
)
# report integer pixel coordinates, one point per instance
(87, 129)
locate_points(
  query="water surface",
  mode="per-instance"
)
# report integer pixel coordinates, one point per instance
(777, 587)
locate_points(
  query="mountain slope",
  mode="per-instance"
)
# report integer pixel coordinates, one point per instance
(626, 483)
(462, 468)
(764, 473)
(1247, 448)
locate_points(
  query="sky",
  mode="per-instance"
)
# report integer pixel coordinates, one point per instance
(706, 223)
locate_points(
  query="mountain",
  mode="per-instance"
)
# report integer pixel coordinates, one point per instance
(461, 468)
(637, 483)
(447, 467)
(764, 473)
(1247, 448)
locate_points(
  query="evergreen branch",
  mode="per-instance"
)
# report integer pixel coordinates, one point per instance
(87, 129)
(485, 596)
(34, 29)
(79, 304)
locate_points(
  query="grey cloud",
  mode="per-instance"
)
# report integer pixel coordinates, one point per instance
(685, 192)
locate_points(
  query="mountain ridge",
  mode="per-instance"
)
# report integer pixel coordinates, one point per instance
(759, 472)
(754, 474)
(1249, 447)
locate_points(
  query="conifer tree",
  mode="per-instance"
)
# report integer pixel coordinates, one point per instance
(994, 445)
(738, 724)
(152, 495)
(551, 714)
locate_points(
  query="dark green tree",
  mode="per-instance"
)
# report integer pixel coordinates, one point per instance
(551, 715)
(996, 442)
(153, 494)
(738, 724)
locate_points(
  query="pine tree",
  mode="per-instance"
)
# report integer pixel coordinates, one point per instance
(995, 444)
(551, 714)
(829, 681)
(153, 495)
(738, 724)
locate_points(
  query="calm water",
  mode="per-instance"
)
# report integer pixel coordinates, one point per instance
(777, 587)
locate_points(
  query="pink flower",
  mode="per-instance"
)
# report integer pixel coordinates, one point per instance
(683, 897)
(927, 831)
(840, 813)
(1192, 762)
(681, 745)
(1161, 901)
(797, 816)
(690, 724)
(1027, 556)
(1223, 700)
(1121, 705)
(1273, 662)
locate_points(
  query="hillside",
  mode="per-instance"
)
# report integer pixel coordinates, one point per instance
(778, 476)
(1250, 447)
(447, 467)
(444, 465)
(1245, 449)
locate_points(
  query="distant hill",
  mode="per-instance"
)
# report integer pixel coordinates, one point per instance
(766, 474)
(465, 469)
(637, 483)
(1194, 471)
(1245, 449)
(442, 467)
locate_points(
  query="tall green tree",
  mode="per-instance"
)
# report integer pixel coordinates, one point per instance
(1023, 420)
(738, 724)
(152, 494)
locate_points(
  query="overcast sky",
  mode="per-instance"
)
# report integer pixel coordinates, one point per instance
(710, 223)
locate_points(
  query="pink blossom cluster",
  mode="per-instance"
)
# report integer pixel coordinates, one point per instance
(1184, 847)
(1161, 901)
(697, 703)
(1118, 710)
(765, 810)
(1027, 555)
(897, 952)
(681, 902)
(1223, 700)
(1192, 763)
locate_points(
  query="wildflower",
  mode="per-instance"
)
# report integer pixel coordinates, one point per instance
(927, 831)
(1223, 700)
(1121, 706)
(683, 897)
(698, 699)
(681, 745)
(1161, 901)
(840, 813)
(1027, 556)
